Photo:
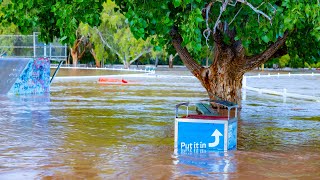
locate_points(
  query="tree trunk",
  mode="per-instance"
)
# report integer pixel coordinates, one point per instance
(223, 79)
(77, 52)
(74, 55)
(95, 58)
(171, 61)
(222, 82)
(126, 64)
(156, 62)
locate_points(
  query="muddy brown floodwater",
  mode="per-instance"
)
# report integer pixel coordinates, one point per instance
(84, 130)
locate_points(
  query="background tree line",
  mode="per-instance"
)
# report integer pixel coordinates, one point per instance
(113, 43)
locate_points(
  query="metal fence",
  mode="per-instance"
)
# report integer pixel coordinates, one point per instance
(29, 46)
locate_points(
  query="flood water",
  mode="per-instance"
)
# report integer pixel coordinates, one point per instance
(85, 130)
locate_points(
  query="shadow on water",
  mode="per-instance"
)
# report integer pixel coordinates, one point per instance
(216, 165)
(86, 130)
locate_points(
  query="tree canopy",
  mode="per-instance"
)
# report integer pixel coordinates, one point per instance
(257, 22)
(52, 18)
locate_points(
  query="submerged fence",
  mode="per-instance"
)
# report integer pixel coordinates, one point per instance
(284, 93)
(146, 69)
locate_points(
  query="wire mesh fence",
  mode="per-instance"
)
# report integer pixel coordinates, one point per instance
(29, 46)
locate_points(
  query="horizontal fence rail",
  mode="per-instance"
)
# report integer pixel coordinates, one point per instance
(146, 69)
(282, 75)
(283, 93)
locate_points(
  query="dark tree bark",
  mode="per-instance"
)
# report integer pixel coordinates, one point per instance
(223, 78)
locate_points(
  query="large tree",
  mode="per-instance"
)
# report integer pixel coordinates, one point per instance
(243, 34)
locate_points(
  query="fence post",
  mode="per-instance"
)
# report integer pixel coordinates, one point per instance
(244, 89)
(244, 94)
(50, 51)
(244, 82)
(44, 50)
(34, 45)
(65, 51)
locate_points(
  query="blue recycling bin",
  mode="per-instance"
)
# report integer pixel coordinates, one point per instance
(201, 133)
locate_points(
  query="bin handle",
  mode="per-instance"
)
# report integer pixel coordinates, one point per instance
(182, 104)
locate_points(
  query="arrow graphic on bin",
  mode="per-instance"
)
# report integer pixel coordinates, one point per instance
(217, 135)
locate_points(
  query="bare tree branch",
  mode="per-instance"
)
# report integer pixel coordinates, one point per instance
(255, 9)
(254, 61)
(235, 16)
(107, 44)
(184, 54)
(137, 57)
(82, 53)
(222, 9)
(207, 32)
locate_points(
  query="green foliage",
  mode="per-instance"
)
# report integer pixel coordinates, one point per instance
(7, 41)
(306, 65)
(255, 31)
(5, 29)
(284, 60)
(53, 18)
(155, 19)
(295, 62)
(271, 62)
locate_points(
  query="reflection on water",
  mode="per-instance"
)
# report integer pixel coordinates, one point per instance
(218, 165)
(86, 130)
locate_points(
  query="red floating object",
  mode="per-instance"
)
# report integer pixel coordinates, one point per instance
(104, 80)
